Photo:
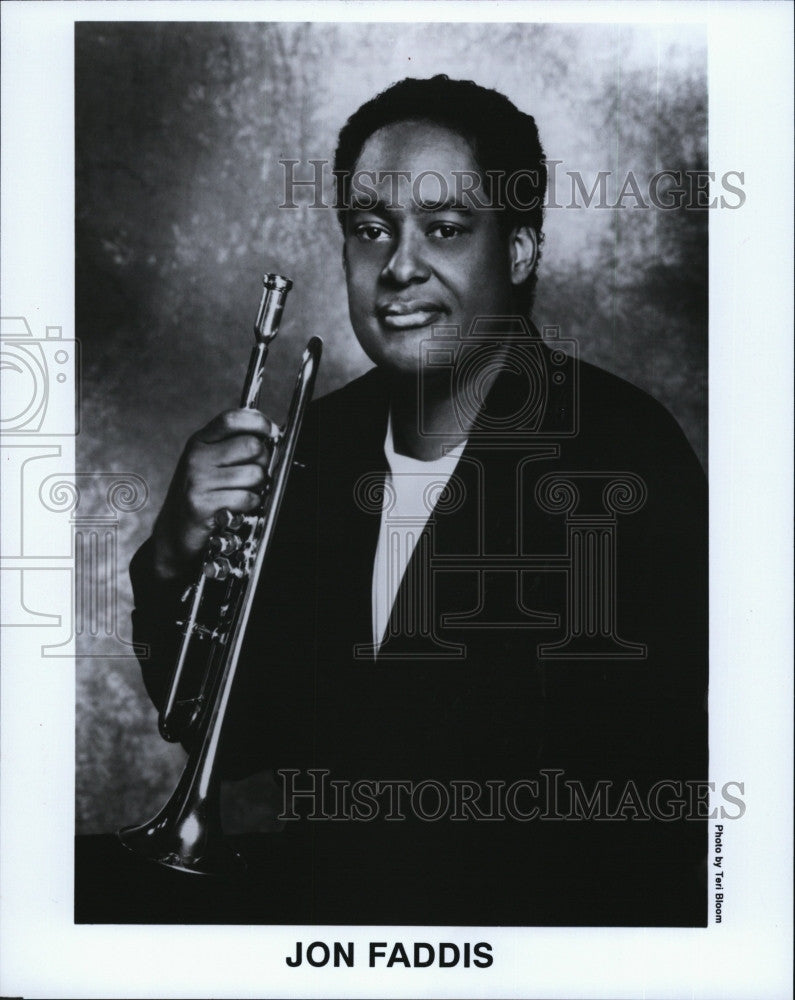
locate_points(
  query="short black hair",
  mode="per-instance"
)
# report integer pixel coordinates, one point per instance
(504, 140)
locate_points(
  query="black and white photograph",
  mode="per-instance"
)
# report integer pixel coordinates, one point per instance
(378, 524)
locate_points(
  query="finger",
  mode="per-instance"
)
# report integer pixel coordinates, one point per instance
(239, 501)
(204, 510)
(233, 422)
(202, 497)
(242, 449)
(239, 477)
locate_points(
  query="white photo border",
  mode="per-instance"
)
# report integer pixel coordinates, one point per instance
(44, 953)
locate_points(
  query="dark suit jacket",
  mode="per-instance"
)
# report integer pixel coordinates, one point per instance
(610, 688)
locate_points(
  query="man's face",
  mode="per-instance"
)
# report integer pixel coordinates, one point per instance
(411, 265)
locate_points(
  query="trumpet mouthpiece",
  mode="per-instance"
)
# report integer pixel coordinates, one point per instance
(277, 282)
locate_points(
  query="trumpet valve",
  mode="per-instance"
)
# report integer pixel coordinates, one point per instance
(228, 520)
(222, 568)
(224, 544)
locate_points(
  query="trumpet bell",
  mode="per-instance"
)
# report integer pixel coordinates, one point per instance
(186, 837)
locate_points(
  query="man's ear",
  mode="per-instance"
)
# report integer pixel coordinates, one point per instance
(524, 252)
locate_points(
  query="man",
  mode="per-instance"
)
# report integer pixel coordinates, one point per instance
(489, 578)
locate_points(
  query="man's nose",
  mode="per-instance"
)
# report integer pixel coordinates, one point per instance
(407, 265)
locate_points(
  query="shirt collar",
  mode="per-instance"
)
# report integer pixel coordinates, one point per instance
(395, 460)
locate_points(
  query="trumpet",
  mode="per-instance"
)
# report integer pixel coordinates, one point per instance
(186, 834)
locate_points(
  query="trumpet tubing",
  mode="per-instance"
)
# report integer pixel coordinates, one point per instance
(186, 834)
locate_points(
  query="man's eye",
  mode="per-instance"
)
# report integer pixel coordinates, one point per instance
(445, 230)
(370, 232)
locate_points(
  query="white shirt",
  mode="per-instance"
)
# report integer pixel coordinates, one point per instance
(411, 490)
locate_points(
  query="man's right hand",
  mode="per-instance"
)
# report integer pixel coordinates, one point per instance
(223, 465)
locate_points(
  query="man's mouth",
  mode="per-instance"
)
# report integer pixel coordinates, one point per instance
(406, 315)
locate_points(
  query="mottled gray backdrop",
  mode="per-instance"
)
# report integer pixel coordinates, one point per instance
(180, 129)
